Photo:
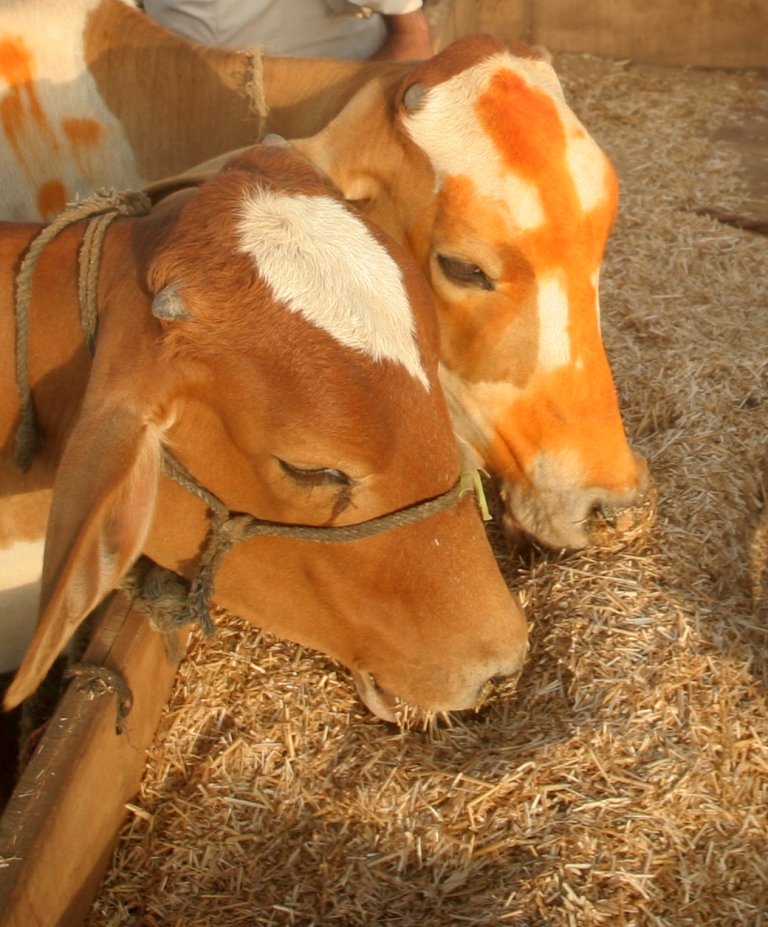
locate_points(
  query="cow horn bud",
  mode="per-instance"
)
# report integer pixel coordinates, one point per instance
(169, 306)
(414, 96)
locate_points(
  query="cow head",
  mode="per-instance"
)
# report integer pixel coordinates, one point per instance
(285, 352)
(492, 182)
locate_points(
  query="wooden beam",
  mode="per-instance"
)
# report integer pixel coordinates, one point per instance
(61, 823)
(700, 33)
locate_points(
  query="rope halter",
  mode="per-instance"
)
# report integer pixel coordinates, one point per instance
(225, 529)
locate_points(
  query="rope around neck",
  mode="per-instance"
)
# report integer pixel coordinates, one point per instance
(107, 205)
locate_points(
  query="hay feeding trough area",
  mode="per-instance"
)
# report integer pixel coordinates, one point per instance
(625, 781)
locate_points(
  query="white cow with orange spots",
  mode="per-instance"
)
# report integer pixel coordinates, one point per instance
(472, 159)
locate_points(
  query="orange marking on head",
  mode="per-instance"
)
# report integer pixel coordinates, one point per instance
(528, 132)
(489, 332)
(539, 425)
(530, 135)
(51, 199)
(82, 132)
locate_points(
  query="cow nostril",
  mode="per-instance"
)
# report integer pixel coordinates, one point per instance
(599, 514)
(504, 683)
(619, 522)
(618, 518)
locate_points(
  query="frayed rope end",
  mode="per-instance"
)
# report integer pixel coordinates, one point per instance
(28, 437)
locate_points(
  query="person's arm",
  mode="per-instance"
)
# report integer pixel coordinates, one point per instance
(408, 38)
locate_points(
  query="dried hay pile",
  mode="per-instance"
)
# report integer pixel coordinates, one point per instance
(626, 781)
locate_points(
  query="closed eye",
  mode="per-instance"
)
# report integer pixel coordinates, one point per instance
(464, 273)
(314, 476)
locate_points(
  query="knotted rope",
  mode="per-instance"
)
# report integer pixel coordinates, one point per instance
(107, 205)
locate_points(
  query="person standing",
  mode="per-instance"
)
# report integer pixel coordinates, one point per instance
(380, 29)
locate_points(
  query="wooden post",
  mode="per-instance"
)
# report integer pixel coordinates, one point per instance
(61, 823)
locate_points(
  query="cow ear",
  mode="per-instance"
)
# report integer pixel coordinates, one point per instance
(352, 179)
(102, 508)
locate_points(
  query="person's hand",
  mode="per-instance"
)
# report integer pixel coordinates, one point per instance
(408, 38)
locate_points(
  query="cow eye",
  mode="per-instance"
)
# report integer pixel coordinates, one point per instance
(314, 476)
(464, 273)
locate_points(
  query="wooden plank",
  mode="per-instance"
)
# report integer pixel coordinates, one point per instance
(61, 823)
(507, 19)
(747, 135)
(672, 32)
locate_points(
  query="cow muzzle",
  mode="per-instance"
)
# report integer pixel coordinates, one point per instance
(554, 510)
(390, 707)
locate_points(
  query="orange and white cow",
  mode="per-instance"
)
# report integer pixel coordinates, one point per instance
(277, 355)
(473, 160)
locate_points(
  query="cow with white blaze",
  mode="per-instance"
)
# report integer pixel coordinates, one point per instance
(262, 415)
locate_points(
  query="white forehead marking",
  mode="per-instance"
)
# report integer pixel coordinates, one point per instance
(322, 262)
(554, 339)
(448, 130)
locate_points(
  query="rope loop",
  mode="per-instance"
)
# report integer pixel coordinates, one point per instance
(107, 205)
(225, 529)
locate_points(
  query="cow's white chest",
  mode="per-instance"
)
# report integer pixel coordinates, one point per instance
(20, 570)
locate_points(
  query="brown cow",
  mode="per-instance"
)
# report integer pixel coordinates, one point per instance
(261, 336)
(473, 160)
